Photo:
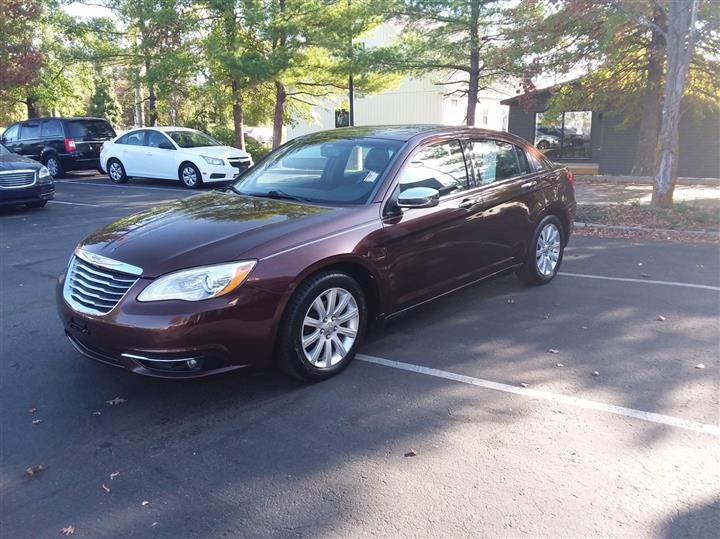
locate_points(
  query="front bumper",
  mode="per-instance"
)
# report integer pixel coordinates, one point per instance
(24, 195)
(161, 338)
(221, 173)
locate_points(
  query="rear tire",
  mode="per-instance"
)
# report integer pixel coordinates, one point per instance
(544, 252)
(190, 176)
(322, 327)
(116, 171)
(54, 167)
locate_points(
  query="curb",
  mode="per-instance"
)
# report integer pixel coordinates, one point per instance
(645, 229)
(645, 180)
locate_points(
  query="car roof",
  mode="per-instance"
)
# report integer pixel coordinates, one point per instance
(63, 118)
(401, 133)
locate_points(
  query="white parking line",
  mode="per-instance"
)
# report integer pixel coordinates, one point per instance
(134, 186)
(646, 281)
(72, 203)
(543, 395)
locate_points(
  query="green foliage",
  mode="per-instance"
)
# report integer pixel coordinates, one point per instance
(104, 103)
(256, 149)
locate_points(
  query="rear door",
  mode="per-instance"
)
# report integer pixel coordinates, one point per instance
(511, 192)
(89, 134)
(160, 162)
(131, 152)
(53, 136)
(30, 143)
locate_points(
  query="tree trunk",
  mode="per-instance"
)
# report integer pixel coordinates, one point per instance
(152, 98)
(238, 116)
(681, 36)
(32, 108)
(644, 163)
(474, 63)
(278, 117)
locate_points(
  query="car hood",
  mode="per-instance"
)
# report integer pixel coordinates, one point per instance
(16, 162)
(204, 229)
(221, 152)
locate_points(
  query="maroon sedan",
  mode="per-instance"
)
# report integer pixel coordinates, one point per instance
(289, 263)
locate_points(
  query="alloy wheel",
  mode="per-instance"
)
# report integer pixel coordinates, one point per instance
(53, 166)
(330, 327)
(547, 250)
(115, 171)
(189, 177)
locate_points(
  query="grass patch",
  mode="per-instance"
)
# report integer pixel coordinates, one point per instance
(681, 216)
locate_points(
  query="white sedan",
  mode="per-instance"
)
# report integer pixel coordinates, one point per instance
(172, 153)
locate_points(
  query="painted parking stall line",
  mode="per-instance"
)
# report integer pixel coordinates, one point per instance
(135, 186)
(72, 203)
(651, 417)
(644, 281)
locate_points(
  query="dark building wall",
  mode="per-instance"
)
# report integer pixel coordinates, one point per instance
(613, 145)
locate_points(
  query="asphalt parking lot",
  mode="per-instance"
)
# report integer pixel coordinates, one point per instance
(614, 434)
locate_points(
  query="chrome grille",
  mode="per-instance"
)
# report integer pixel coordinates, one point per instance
(10, 179)
(240, 164)
(95, 289)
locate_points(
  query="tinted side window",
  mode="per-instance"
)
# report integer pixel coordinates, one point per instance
(11, 135)
(494, 160)
(133, 139)
(440, 166)
(51, 128)
(30, 130)
(90, 130)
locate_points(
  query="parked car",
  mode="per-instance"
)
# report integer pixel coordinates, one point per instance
(172, 153)
(546, 141)
(23, 181)
(293, 260)
(61, 144)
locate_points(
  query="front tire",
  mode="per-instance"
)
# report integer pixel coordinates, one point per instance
(544, 253)
(37, 204)
(190, 176)
(323, 325)
(52, 163)
(116, 171)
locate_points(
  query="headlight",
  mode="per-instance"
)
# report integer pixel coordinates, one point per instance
(43, 175)
(198, 283)
(213, 161)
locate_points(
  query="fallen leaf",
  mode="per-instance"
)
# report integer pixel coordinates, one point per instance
(97, 412)
(511, 301)
(547, 315)
(596, 373)
(154, 524)
(553, 351)
(700, 366)
(145, 503)
(640, 264)
(523, 384)
(105, 488)
(116, 401)
(32, 410)
(37, 469)
(113, 475)
(68, 530)
(661, 318)
(37, 421)
(645, 275)
(411, 453)
(559, 365)
(584, 327)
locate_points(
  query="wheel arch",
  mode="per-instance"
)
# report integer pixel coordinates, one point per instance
(559, 211)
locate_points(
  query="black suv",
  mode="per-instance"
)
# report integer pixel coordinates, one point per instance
(61, 144)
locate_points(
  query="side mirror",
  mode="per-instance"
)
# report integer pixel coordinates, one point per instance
(166, 146)
(419, 197)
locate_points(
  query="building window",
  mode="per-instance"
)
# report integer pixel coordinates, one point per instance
(565, 135)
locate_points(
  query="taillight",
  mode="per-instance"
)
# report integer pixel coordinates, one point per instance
(571, 178)
(70, 145)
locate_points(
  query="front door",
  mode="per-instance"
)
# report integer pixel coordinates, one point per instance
(428, 251)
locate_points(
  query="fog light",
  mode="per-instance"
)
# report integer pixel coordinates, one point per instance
(192, 363)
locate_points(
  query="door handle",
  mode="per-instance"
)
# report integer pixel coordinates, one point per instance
(467, 203)
(529, 185)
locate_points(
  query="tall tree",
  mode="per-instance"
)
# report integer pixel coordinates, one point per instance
(465, 38)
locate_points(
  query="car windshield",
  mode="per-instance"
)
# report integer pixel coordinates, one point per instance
(4, 150)
(192, 139)
(342, 171)
(90, 130)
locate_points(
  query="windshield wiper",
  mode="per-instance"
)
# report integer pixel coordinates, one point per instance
(277, 193)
